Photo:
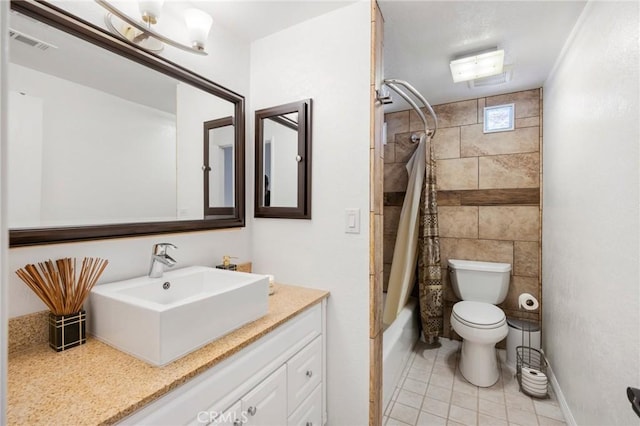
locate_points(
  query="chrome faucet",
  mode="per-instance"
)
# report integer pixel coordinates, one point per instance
(160, 259)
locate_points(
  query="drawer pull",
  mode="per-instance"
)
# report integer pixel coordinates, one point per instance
(252, 411)
(309, 373)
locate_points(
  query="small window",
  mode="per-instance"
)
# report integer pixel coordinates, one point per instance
(499, 118)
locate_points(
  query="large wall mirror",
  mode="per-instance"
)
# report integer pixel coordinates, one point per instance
(283, 161)
(106, 140)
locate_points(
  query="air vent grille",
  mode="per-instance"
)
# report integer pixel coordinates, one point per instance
(30, 40)
(493, 80)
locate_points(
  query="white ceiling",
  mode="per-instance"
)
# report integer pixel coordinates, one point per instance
(421, 37)
(255, 19)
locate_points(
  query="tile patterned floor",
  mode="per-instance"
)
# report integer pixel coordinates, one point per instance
(432, 391)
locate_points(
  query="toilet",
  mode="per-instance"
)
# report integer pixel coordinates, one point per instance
(481, 324)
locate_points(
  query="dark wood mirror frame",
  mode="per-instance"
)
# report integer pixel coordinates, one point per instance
(303, 208)
(73, 25)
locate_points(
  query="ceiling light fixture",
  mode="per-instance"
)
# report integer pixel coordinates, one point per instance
(478, 65)
(141, 33)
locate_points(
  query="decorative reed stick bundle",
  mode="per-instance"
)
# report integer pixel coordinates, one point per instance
(59, 285)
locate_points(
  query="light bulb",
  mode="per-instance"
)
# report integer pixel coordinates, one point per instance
(150, 10)
(198, 26)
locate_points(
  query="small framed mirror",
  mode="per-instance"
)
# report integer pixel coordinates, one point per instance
(283, 161)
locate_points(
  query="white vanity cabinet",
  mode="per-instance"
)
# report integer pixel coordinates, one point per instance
(275, 381)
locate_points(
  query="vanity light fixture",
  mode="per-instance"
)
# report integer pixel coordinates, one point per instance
(141, 33)
(478, 65)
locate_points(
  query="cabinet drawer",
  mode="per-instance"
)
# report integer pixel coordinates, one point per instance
(304, 372)
(309, 413)
(266, 404)
(230, 417)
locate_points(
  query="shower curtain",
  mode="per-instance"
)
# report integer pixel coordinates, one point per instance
(429, 272)
(417, 239)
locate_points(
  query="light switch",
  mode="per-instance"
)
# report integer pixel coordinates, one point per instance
(352, 221)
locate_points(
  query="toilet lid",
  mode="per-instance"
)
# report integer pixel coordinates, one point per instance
(479, 314)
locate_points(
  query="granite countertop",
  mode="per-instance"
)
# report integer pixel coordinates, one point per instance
(97, 384)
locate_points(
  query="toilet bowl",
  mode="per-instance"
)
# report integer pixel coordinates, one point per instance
(481, 325)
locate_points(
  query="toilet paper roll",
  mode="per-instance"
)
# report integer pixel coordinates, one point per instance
(528, 302)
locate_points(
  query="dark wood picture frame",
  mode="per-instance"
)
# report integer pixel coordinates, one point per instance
(303, 208)
(62, 20)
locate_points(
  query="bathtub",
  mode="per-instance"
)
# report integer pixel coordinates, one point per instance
(398, 340)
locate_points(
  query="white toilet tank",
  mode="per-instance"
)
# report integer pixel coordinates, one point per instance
(479, 281)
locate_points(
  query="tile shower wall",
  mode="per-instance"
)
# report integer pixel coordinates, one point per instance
(488, 190)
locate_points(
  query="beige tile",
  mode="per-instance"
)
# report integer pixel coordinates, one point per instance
(436, 407)
(404, 413)
(549, 410)
(546, 421)
(464, 400)
(457, 113)
(527, 103)
(393, 422)
(492, 409)
(388, 248)
(461, 385)
(463, 415)
(526, 258)
(397, 122)
(484, 420)
(409, 398)
(428, 419)
(521, 417)
(457, 174)
(395, 178)
(391, 219)
(405, 147)
(509, 171)
(482, 250)
(527, 122)
(518, 286)
(441, 380)
(446, 143)
(458, 221)
(521, 223)
(473, 142)
(441, 394)
(519, 401)
(481, 104)
(385, 276)
(390, 153)
(416, 386)
(494, 394)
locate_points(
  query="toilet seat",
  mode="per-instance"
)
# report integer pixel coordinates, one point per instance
(479, 315)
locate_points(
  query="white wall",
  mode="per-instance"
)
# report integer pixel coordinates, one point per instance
(83, 133)
(326, 59)
(227, 64)
(591, 216)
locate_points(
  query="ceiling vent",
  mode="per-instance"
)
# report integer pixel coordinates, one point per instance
(29, 40)
(494, 80)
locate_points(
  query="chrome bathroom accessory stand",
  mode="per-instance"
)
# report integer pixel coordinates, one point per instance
(531, 366)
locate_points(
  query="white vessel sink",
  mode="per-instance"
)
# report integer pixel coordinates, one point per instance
(157, 325)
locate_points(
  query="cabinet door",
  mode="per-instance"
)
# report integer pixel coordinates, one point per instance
(233, 416)
(309, 413)
(304, 372)
(266, 404)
